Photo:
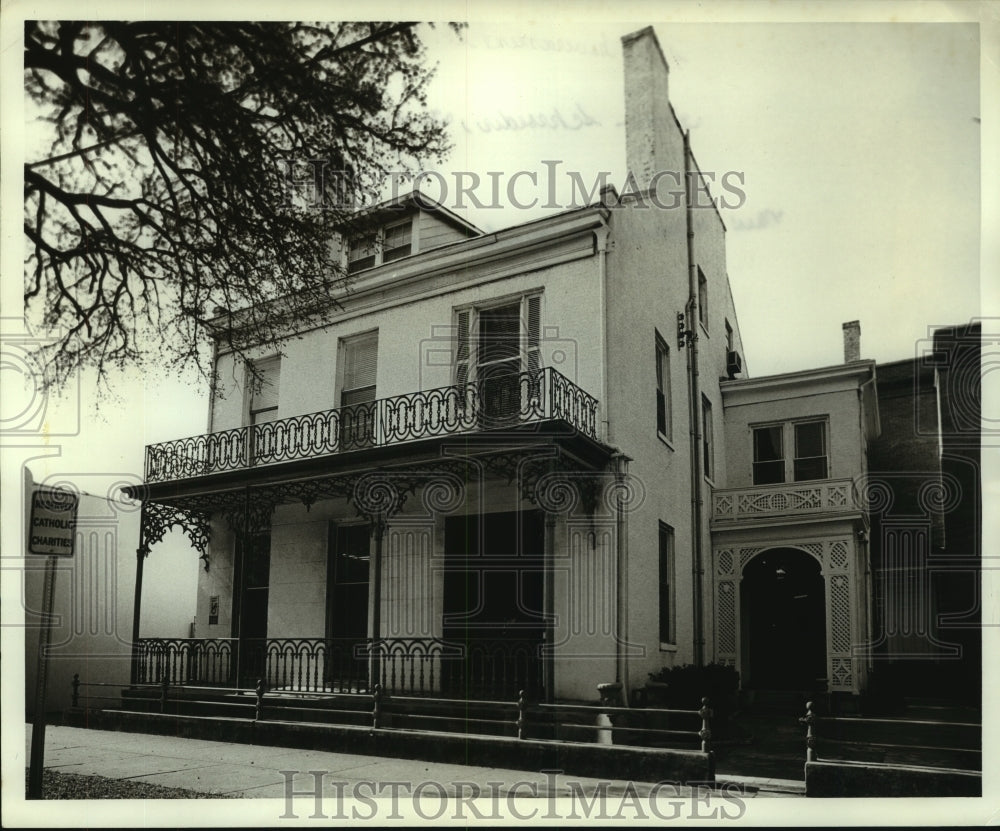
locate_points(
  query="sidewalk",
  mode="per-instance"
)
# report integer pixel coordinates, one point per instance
(254, 771)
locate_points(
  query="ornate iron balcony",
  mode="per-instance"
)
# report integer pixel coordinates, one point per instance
(492, 403)
(792, 498)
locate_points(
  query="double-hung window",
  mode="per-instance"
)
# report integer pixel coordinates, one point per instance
(398, 240)
(264, 380)
(381, 245)
(810, 451)
(361, 253)
(357, 392)
(771, 464)
(768, 455)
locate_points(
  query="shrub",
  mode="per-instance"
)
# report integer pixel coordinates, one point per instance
(688, 684)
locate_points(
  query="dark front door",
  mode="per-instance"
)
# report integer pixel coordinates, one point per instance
(348, 558)
(783, 622)
(253, 567)
(493, 603)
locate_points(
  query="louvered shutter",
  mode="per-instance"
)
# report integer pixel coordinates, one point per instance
(462, 337)
(534, 332)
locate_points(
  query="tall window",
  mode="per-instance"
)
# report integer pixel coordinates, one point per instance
(264, 380)
(357, 392)
(729, 337)
(667, 606)
(347, 599)
(499, 361)
(494, 346)
(707, 439)
(664, 422)
(702, 298)
(810, 451)
(768, 455)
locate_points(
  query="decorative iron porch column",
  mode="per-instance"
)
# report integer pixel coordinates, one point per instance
(155, 520)
(378, 497)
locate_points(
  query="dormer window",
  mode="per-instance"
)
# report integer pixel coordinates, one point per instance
(389, 242)
(397, 240)
(361, 254)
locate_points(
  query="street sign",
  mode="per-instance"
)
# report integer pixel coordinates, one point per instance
(52, 534)
(53, 523)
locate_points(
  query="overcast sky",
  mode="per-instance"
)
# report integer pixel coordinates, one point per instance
(858, 145)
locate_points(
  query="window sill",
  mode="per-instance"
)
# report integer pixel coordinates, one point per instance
(663, 437)
(668, 647)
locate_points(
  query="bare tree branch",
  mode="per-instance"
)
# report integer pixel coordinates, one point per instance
(164, 195)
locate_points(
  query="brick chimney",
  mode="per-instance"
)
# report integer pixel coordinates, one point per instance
(653, 138)
(852, 341)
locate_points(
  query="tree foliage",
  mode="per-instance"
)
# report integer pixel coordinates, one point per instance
(163, 194)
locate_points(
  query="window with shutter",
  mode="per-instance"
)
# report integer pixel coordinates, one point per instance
(357, 392)
(707, 437)
(499, 348)
(264, 379)
(667, 583)
(664, 422)
(702, 298)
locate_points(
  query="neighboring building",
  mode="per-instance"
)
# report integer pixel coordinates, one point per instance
(93, 598)
(925, 507)
(523, 460)
(790, 529)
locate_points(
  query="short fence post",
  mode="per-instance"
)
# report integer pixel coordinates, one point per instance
(163, 692)
(377, 706)
(258, 714)
(706, 726)
(520, 714)
(810, 720)
(76, 689)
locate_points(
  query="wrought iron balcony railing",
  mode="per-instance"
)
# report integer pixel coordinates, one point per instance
(491, 403)
(793, 498)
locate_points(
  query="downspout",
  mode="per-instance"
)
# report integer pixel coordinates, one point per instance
(621, 472)
(213, 384)
(694, 408)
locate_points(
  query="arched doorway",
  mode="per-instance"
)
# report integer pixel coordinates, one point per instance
(783, 621)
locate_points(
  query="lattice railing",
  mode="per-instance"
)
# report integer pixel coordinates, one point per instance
(828, 495)
(492, 403)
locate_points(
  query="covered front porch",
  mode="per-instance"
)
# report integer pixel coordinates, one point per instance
(434, 566)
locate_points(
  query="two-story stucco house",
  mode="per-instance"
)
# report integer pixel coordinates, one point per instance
(524, 460)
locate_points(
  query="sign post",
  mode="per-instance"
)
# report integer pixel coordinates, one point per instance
(52, 534)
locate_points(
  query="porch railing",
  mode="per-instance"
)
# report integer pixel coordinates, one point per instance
(413, 666)
(793, 498)
(492, 403)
